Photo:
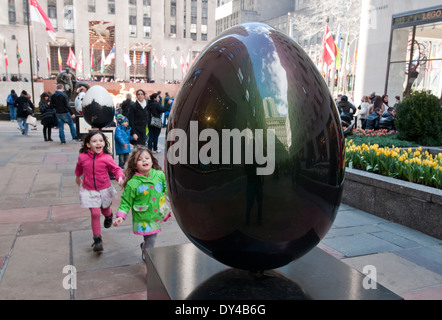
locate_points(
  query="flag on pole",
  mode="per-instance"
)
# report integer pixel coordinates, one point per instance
(48, 59)
(143, 59)
(127, 59)
(186, 64)
(38, 63)
(154, 59)
(194, 58)
(110, 57)
(80, 62)
(102, 61)
(92, 60)
(60, 61)
(72, 60)
(338, 49)
(19, 59)
(329, 47)
(182, 62)
(172, 62)
(5, 53)
(37, 14)
(163, 61)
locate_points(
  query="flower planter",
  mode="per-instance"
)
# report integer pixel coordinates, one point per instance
(413, 205)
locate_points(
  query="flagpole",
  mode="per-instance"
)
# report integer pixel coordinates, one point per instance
(30, 52)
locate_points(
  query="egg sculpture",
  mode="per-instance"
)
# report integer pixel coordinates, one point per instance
(79, 102)
(254, 151)
(98, 107)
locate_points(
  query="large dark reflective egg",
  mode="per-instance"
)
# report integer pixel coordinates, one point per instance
(254, 97)
(98, 107)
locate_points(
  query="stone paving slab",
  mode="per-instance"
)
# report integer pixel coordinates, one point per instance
(111, 282)
(24, 214)
(35, 269)
(360, 244)
(396, 273)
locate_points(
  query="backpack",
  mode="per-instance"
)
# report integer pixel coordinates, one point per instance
(10, 100)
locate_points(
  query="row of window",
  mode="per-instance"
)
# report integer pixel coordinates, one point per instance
(68, 19)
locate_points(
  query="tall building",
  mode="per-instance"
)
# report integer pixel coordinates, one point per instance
(144, 34)
(233, 12)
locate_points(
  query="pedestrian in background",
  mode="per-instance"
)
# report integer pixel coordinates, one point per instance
(60, 102)
(10, 101)
(48, 117)
(122, 140)
(22, 103)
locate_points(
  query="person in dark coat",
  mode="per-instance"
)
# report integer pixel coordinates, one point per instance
(126, 104)
(387, 119)
(20, 103)
(155, 110)
(138, 119)
(48, 117)
(372, 120)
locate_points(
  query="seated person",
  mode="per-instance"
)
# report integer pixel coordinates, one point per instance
(372, 120)
(387, 119)
(346, 109)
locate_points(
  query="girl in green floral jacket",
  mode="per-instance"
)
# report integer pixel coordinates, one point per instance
(145, 194)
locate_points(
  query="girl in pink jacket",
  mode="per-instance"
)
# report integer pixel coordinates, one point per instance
(96, 190)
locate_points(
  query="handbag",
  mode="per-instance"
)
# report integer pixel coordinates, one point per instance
(31, 120)
(27, 109)
(156, 122)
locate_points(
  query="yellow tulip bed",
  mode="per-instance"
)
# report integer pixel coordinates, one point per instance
(414, 165)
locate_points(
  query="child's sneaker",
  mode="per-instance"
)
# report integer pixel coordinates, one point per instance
(108, 221)
(98, 244)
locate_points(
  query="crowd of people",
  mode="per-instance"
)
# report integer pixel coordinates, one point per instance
(373, 113)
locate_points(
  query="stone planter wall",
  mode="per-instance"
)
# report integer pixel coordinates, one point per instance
(410, 204)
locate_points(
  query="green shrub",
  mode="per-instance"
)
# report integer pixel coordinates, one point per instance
(419, 119)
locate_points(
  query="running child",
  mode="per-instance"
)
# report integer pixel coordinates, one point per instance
(145, 194)
(96, 190)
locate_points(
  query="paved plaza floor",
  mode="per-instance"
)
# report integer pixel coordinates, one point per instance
(44, 234)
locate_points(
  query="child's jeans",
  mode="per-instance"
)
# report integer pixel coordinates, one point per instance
(122, 158)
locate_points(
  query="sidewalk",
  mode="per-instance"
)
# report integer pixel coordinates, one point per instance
(43, 230)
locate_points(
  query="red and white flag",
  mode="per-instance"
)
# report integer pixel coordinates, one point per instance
(126, 58)
(37, 14)
(329, 47)
(163, 61)
(5, 53)
(48, 58)
(72, 60)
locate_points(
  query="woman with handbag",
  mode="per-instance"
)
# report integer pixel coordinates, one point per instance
(155, 124)
(48, 117)
(25, 107)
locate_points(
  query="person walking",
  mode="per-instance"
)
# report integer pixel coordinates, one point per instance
(138, 119)
(122, 140)
(48, 117)
(22, 103)
(155, 110)
(144, 194)
(10, 101)
(60, 102)
(96, 190)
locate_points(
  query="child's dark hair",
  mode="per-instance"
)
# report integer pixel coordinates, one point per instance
(87, 139)
(131, 165)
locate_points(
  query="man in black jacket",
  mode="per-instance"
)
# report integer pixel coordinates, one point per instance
(60, 102)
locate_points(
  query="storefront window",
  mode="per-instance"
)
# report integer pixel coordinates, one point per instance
(416, 59)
